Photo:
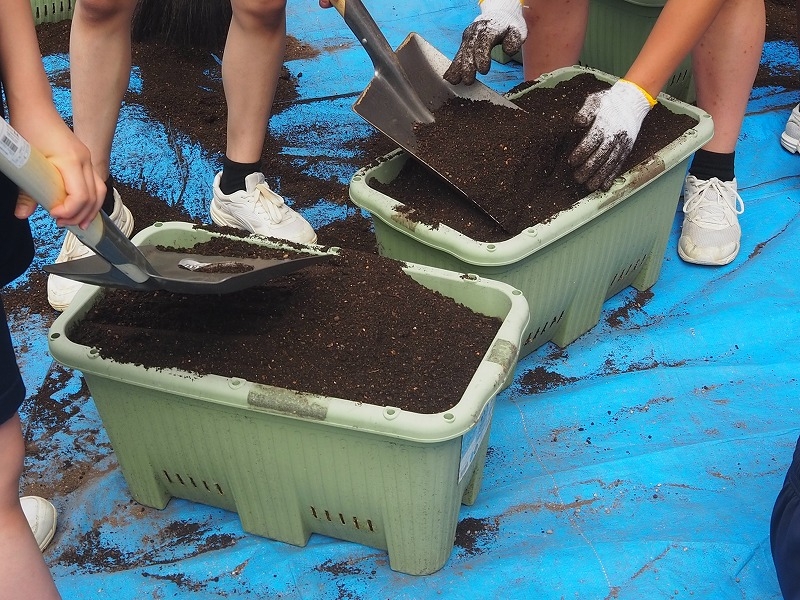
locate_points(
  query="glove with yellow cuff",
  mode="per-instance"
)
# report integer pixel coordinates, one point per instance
(614, 117)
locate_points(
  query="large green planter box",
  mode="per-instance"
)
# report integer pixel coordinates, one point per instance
(615, 33)
(570, 265)
(51, 11)
(292, 463)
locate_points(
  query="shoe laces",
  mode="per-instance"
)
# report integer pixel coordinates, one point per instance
(709, 207)
(269, 203)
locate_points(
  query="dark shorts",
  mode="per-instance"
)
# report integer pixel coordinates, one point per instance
(785, 531)
(12, 389)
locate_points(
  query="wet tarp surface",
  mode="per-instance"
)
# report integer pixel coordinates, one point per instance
(649, 472)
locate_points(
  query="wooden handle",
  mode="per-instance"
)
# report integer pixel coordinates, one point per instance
(32, 172)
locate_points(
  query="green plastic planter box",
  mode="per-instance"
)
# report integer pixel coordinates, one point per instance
(293, 463)
(570, 265)
(52, 11)
(615, 33)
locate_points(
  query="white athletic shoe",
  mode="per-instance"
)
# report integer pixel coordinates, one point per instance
(790, 138)
(710, 233)
(259, 210)
(60, 290)
(42, 518)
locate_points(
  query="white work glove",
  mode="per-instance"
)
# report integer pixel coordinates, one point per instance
(615, 116)
(500, 22)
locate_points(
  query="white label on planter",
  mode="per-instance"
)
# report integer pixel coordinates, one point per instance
(472, 440)
(13, 147)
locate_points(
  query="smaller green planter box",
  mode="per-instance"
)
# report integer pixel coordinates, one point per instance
(615, 33)
(52, 11)
(292, 463)
(570, 265)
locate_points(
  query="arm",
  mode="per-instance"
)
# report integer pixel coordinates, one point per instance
(677, 31)
(615, 116)
(31, 112)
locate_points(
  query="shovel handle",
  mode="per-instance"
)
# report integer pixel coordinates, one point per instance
(39, 178)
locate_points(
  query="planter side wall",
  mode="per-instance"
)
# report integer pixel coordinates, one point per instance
(288, 478)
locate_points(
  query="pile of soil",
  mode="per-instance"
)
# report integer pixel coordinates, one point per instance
(354, 327)
(517, 170)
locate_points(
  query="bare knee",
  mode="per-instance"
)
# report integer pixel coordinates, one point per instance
(97, 12)
(266, 14)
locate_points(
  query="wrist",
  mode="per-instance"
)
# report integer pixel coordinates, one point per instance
(647, 96)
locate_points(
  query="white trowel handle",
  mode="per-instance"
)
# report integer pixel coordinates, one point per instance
(39, 178)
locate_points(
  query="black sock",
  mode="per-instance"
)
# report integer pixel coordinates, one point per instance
(706, 165)
(233, 174)
(108, 203)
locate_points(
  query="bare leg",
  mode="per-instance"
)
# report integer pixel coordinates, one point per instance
(100, 65)
(725, 63)
(23, 572)
(250, 69)
(556, 29)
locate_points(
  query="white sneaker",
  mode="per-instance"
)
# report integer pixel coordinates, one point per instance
(790, 138)
(42, 518)
(710, 233)
(60, 290)
(259, 210)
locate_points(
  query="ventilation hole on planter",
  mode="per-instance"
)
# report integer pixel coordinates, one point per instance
(206, 484)
(219, 489)
(328, 516)
(167, 476)
(178, 475)
(192, 480)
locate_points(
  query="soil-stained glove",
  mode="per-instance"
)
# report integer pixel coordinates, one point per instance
(615, 116)
(500, 22)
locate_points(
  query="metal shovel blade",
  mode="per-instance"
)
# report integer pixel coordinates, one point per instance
(185, 273)
(408, 86)
(118, 261)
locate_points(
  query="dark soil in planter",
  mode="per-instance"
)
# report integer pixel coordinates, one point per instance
(355, 327)
(512, 163)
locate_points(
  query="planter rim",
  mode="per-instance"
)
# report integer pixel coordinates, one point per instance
(536, 237)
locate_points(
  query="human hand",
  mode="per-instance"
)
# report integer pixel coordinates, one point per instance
(615, 116)
(325, 4)
(84, 189)
(500, 22)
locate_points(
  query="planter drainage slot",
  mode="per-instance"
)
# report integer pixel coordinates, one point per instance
(365, 525)
(632, 269)
(542, 329)
(177, 478)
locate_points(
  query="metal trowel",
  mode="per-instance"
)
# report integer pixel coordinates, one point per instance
(119, 262)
